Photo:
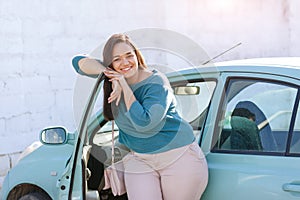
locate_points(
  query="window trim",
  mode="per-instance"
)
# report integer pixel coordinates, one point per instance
(292, 125)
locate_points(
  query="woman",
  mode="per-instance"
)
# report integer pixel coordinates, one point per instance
(165, 161)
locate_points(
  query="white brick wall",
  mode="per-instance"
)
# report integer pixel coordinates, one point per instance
(38, 39)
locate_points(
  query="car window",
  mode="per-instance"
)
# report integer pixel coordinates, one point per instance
(99, 129)
(193, 108)
(256, 116)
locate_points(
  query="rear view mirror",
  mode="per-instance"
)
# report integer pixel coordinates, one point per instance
(186, 90)
(55, 135)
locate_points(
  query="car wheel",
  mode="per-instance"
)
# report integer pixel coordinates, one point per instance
(34, 196)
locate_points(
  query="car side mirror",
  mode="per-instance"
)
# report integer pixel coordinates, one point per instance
(54, 135)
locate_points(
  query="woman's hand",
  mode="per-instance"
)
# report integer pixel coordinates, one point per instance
(116, 92)
(119, 78)
(114, 77)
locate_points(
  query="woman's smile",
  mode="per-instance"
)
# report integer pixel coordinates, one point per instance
(126, 69)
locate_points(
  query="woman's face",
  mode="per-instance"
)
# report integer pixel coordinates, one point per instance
(124, 59)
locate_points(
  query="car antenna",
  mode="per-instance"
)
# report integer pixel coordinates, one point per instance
(238, 44)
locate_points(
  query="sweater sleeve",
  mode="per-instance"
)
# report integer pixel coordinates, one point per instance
(149, 113)
(75, 63)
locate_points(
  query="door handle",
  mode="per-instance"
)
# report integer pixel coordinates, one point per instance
(290, 187)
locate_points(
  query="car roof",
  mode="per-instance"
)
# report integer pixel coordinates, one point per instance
(272, 61)
(285, 66)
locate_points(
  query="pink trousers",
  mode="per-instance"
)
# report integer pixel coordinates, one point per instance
(179, 174)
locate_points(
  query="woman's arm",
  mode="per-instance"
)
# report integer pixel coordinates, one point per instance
(87, 66)
(147, 113)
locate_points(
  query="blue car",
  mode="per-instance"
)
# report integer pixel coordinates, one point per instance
(246, 118)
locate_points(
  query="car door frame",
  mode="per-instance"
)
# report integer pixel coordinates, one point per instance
(72, 183)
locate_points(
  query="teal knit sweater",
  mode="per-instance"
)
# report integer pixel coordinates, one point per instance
(152, 124)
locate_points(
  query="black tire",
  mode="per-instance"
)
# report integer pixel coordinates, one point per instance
(34, 196)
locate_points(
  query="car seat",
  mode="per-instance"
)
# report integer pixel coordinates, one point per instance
(244, 134)
(267, 138)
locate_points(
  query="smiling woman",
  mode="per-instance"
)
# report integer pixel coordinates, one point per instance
(151, 127)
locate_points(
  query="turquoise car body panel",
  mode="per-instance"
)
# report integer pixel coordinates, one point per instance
(43, 167)
(250, 177)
